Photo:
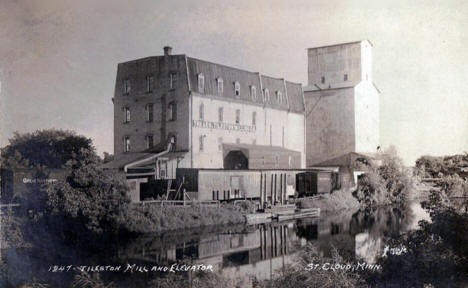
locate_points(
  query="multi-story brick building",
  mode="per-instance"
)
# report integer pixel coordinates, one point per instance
(180, 112)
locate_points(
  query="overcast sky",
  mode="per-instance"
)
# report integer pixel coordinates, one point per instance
(58, 59)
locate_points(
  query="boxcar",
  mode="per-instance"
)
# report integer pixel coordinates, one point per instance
(311, 183)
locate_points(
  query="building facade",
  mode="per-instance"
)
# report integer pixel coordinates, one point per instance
(342, 102)
(181, 112)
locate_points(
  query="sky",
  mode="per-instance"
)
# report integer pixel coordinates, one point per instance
(58, 59)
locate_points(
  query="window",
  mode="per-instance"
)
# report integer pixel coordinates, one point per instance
(126, 114)
(201, 83)
(237, 89)
(149, 83)
(266, 95)
(282, 136)
(126, 144)
(220, 84)
(149, 141)
(220, 114)
(173, 80)
(279, 97)
(345, 78)
(220, 144)
(172, 140)
(126, 86)
(276, 161)
(237, 116)
(323, 79)
(171, 111)
(201, 112)
(202, 138)
(271, 135)
(149, 112)
(254, 118)
(253, 92)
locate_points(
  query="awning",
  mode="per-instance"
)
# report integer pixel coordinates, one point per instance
(128, 158)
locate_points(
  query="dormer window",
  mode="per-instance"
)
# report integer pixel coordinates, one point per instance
(279, 97)
(201, 83)
(253, 92)
(237, 89)
(266, 95)
(126, 86)
(220, 83)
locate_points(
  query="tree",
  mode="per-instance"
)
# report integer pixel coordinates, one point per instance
(89, 195)
(50, 149)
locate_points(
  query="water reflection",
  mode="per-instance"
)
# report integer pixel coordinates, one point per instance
(261, 249)
(244, 252)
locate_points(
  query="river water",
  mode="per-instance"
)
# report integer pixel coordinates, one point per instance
(247, 252)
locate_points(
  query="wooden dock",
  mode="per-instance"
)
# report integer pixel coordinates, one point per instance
(300, 213)
(258, 218)
(181, 203)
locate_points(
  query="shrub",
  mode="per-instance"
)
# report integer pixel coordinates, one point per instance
(388, 183)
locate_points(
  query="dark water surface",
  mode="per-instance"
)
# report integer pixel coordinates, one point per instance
(246, 252)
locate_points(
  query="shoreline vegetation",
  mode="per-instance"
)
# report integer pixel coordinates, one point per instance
(90, 207)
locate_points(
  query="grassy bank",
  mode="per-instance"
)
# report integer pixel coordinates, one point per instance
(153, 218)
(338, 200)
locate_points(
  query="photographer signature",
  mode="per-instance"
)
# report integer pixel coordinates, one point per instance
(394, 251)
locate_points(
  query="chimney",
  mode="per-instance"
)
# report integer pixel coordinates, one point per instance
(167, 50)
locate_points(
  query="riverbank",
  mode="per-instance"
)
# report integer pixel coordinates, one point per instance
(155, 218)
(335, 201)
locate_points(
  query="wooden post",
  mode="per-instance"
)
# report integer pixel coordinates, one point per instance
(281, 188)
(271, 190)
(276, 184)
(261, 190)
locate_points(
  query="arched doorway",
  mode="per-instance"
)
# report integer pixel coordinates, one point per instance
(236, 160)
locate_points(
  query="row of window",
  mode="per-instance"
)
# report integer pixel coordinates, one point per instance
(149, 108)
(237, 90)
(148, 138)
(201, 115)
(345, 78)
(201, 143)
(126, 86)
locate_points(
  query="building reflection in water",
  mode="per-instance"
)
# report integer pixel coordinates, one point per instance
(260, 250)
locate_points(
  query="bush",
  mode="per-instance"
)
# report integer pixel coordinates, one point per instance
(154, 218)
(388, 183)
(337, 200)
(437, 253)
(436, 167)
